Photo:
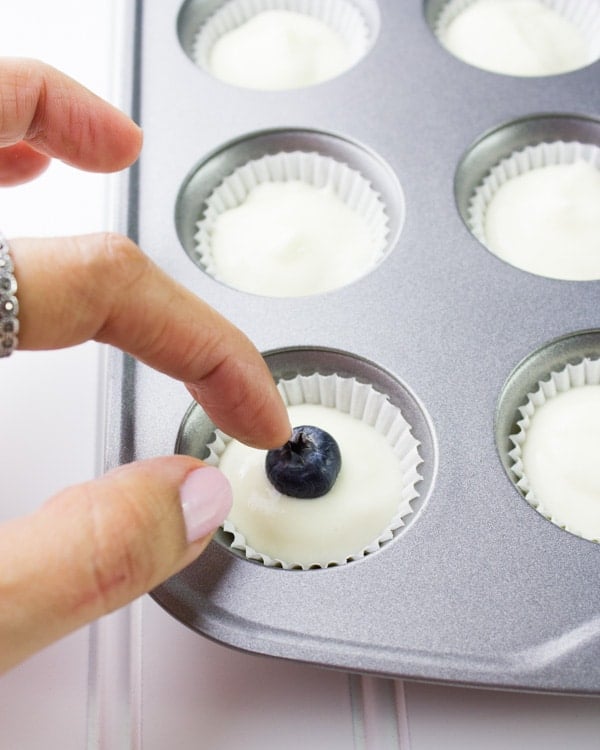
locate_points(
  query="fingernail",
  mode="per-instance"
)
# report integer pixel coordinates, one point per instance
(206, 500)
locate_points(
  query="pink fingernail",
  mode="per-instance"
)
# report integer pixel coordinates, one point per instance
(206, 500)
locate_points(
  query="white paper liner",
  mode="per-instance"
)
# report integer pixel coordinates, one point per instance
(586, 372)
(518, 163)
(341, 16)
(361, 401)
(584, 14)
(313, 168)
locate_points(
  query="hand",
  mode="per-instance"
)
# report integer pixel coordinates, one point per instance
(94, 547)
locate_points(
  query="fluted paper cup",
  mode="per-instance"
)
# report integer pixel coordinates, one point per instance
(583, 15)
(573, 261)
(341, 17)
(318, 171)
(549, 53)
(575, 507)
(319, 538)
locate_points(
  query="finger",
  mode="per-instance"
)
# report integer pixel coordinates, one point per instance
(60, 118)
(103, 287)
(20, 163)
(97, 546)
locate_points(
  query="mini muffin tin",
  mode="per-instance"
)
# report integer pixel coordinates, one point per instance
(478, 588)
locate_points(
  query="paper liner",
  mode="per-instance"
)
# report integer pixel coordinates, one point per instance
(584, 14)
(586, 372)
(362, 402)
(518, 163)
(310, 167)
(341, 16)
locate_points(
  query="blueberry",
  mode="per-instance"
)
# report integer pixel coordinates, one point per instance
(307, 465)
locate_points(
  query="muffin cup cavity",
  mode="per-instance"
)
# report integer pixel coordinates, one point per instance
(309, 376)
(355, 176)
(584, 16)
(517, 164)
(567, 363)
(200, 26)
(513, 150)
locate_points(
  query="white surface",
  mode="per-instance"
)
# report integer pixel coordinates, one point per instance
(49, 419)
(195, 693)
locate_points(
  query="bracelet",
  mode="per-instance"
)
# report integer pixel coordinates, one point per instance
(9, 306)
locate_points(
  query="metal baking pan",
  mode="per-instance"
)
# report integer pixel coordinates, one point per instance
(478, 589)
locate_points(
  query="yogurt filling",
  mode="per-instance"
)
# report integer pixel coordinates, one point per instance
(279, 49)
(560, 459)
(516, 37)
(291, 239)
(355, 512)
(547, 221)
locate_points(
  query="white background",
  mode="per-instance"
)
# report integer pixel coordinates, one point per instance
(195, 694)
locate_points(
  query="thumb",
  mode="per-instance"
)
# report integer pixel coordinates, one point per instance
(94, 547)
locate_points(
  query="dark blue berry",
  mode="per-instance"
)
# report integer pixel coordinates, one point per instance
(307, 465)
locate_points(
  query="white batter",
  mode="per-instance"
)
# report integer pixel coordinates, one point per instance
(279, 49)
(547, 221)
(516, 37)
(289, 239)
(561, 459)
(358, 508)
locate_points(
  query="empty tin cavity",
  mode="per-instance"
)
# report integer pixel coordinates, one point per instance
(526, 192)
(354, 387)
(547, 432)
(320, 212)
(519, 37)
(277, 44)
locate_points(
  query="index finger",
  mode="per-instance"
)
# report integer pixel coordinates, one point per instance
(103, 287)
(62, 119)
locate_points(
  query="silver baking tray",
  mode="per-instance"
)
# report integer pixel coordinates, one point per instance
(478, 588)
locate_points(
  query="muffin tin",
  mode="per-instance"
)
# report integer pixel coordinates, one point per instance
(478, 588)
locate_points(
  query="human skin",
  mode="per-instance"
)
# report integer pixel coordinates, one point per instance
(94, 547)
